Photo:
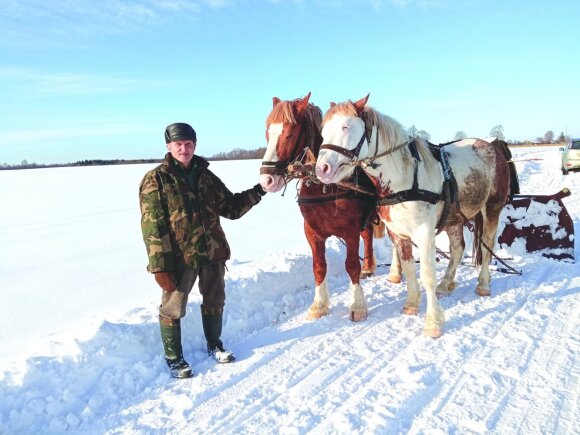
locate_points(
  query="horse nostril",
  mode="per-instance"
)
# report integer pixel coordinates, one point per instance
(269, 180)
(325, 168)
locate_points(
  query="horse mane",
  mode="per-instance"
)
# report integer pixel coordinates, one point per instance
(284, 113)
(390, 131)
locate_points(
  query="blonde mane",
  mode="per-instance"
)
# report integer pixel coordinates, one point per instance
(391, 132)
(283, 113)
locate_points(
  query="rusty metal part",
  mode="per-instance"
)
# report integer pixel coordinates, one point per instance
(555, 242)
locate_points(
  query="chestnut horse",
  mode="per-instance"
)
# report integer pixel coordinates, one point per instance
(421, 190)
(293, 133)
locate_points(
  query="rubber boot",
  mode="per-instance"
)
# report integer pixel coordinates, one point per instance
(212, 328)
(171, 339)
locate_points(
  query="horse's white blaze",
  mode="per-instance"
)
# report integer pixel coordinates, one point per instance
(272, 182)
(274, 132)
(345, 132)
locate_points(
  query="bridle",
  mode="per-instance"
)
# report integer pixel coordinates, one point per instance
(281, 166)
(353, 154)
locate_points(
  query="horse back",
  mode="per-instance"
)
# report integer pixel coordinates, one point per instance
(482, 174)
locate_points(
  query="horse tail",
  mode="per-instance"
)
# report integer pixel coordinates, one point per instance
(477, 238)
(514, 181)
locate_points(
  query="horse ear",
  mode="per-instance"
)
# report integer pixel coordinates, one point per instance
(302, 104)
(275, 101)
(360, 104)
(332, 104)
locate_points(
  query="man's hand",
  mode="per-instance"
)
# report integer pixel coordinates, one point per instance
(165, 281)
(258, 188)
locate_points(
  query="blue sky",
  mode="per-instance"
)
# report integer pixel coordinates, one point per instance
(81, 79)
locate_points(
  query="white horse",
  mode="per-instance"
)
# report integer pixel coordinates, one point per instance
(418, 194)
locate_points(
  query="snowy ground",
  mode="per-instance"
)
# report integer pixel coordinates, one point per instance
(80, 349)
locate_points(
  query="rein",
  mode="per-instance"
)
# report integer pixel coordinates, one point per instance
(280, 167)
(353, 154)
(301, 166)
(477, 239)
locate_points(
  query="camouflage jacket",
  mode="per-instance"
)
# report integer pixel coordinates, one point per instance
(180, 225)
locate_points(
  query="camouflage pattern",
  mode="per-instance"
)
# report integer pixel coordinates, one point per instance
(181, 226)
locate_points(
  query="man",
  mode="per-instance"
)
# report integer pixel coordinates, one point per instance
(181, 204)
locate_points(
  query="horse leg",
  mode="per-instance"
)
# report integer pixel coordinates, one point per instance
(395, 272)
(456, 248)
(435, 319)
(358, 306)
(321, 301)
(369, 266)
(490, 223)
(404, 254)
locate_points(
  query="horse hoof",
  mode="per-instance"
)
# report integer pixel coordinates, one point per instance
(442, 294)
(483, 291)
(410, 311)
(316, 314)
(358, 316)
(395, 279)
(366, 273)
(433, 333)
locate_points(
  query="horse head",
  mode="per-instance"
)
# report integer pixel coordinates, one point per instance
(344, 140)
(291, 127)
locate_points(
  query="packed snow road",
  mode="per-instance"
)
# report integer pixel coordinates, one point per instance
(505, 364)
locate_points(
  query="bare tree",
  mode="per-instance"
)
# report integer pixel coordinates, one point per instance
(460, 135)
(423, 135)
(562, 138)
(412, 131)
(497, 131)
(548, 136)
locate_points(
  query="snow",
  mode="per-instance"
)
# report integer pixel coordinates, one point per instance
(80, 349)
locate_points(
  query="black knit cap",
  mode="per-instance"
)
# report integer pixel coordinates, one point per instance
(179, 131)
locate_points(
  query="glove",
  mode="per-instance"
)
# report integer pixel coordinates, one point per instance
(258, 188)
(165, 281)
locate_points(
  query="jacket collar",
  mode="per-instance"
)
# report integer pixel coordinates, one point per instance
(198, 161)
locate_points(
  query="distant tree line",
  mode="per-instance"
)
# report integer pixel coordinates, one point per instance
(95, 162)
(496, 131)
(240, 154)
(236, 154)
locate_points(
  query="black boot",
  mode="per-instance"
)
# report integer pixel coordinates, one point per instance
(212, 328)
(171, 339)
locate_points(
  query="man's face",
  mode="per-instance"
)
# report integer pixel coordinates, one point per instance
(182, 151)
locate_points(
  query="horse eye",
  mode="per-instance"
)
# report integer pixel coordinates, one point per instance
(345, 128)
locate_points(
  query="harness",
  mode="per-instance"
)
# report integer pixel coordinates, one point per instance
(358, 188)
(449, 192)
(280, 167)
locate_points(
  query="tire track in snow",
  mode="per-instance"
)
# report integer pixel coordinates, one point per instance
(482, 385)
(552, 376)
(271, 377)
(310, 364)
(361, 362)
